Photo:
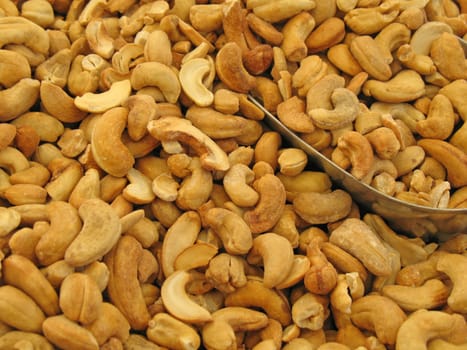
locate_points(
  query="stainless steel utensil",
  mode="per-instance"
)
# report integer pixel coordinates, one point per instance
(404, 216)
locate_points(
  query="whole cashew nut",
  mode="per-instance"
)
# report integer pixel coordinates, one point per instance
(191, 77)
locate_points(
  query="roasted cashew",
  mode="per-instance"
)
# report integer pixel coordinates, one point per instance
(265, 249)
(237, 182)
(102, 102)
(452, 265)
(18, 99)
(99, 216)
(177, 301)
(220, 333)
(177, 129)
(346, 109)
(191, 78)
(423, 325)
(22, 31)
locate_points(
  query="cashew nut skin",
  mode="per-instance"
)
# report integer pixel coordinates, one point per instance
(159, 75)
(97, 216)
(108, 150)
(270, 206)
(177, 301)
(424, 325)
(277, 256)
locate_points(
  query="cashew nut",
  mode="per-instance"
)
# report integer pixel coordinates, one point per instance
(191, 78)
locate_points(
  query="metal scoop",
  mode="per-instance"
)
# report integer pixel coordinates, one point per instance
(404, 216)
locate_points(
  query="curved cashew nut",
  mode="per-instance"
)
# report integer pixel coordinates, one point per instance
(59, 104)
(18, 99)
(123, 58)
(101, 102)
(391, 38)
(220, 333)
(180, 235)
(12, 160)
(191, 77)
(358, 149)
(310, 311)
(182, 130)
(255, 294)
(97, 216)
(110, 323)
(270, 206)
(9, 220)
(177, 301)
(452, 158)
(159, 75)
(195, 188)
(237, 182)
(453, 265)
(372, 312)
(346, 109)
(13, 68)
(22, 31)
(423, 325)
(276, 254)
(108, 150)
(295, 31)
(231, 229)
(424, 36)
(230, 69)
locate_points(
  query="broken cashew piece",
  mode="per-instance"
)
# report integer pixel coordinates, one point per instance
(178, 303)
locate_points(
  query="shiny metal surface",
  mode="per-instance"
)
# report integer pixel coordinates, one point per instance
(403, 216)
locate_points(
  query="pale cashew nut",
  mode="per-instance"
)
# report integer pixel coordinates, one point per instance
(97, 216)
(159, 75)
(279, 10)
(431, 295)
(22, 31)
(346, 109)
(370, 250)
(99, 39)
(391, 38)
(310, 311)
(220, 333)
(424, 325)
(191, 78)
(102, 102)
(18, 99)
(276, 255)
(182, 130)
(125, 57)
(424, 36)
(13, 68)
(180, 235)
(177, 301)
(237, 182)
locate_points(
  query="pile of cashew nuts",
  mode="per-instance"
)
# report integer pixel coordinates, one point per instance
(145, 205)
